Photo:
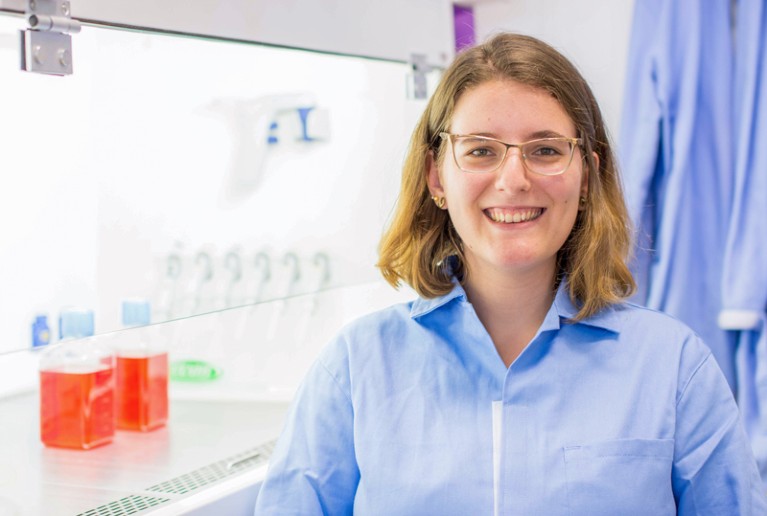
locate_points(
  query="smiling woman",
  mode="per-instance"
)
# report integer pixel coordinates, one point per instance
(512, 220)
(520, 381)
(594, 256)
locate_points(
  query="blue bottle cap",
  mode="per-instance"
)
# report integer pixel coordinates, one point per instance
(76, 323)
(136, 312)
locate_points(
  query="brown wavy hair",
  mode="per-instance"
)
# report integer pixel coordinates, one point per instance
(421, 237)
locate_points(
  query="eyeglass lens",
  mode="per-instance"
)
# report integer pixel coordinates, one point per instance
(548, 156)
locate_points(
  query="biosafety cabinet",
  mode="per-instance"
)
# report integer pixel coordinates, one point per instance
(228, 168)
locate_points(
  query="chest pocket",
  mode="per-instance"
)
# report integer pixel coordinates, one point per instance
(621, 476)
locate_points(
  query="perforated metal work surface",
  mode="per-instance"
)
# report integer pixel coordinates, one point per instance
(129, 505)
(183, 484)
(217, 471)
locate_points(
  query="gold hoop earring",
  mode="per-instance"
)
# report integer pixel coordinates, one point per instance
(439, 201)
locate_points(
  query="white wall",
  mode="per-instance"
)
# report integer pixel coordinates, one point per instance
(594, 34)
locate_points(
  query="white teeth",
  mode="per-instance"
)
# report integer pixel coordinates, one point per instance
(516, 217)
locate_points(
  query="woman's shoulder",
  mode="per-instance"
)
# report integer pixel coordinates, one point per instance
(372, 338)
(633, 312)
(393, 318)
(655, 330)
(625, 318)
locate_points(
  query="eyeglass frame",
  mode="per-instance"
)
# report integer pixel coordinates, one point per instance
(572, 141)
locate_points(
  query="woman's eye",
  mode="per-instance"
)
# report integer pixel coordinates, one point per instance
(546, 151)
(481, 152)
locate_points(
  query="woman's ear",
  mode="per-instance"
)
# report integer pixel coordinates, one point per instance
(433, 179)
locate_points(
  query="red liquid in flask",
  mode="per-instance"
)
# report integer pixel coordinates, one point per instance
(77, 407)
(142, 391)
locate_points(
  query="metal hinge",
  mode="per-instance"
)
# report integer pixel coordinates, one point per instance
(418, 87)
(46, 46)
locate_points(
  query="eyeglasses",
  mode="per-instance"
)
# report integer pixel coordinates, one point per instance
(480, 154)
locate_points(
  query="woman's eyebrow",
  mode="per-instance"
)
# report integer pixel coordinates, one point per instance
(544, 133)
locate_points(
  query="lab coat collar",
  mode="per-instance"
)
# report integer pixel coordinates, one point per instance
(608, 318)
(423, 306)
(562, 309)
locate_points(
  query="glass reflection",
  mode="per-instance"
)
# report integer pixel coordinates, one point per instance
(193, 174)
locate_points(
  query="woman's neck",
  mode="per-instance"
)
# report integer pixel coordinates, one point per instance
(511, 306)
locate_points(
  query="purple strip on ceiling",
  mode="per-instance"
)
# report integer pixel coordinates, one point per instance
(463, 20)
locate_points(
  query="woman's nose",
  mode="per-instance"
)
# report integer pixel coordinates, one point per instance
(512, 175)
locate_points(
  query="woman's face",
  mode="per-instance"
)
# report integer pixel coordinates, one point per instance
(480, 204)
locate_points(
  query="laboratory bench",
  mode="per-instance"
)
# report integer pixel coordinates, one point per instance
(210, 458)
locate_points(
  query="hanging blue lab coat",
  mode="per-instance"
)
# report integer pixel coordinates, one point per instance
(675, 153)
(744, 278)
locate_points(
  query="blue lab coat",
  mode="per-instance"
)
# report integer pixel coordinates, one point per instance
(675, 153)
(411, 411)
(744, 278)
